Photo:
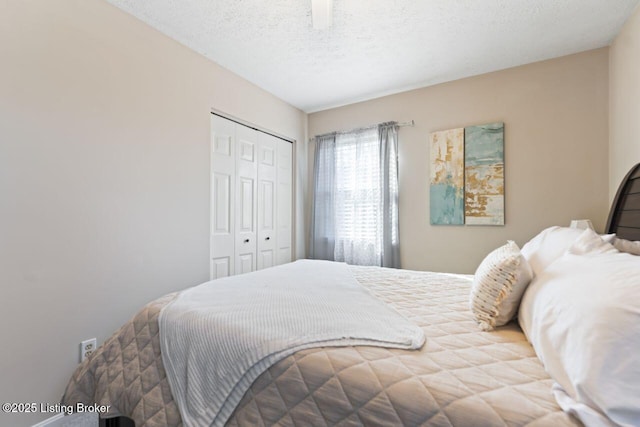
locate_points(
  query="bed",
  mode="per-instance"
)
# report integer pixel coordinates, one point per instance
(462, 376)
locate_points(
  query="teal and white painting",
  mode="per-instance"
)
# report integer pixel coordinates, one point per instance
(484, 174)
(446, 196)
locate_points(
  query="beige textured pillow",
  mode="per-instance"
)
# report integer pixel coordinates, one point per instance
(498, 285)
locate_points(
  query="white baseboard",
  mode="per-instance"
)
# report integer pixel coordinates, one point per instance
(49, 421)
(87, 419)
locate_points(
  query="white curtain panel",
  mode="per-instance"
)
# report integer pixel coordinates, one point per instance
(355, 212)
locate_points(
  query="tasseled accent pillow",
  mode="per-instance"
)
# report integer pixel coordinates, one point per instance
(498, 286)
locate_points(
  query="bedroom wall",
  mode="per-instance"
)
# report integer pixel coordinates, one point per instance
(556, 148)
(104, 179)
(624, 102)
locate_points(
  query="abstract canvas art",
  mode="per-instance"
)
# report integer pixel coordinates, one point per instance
(484, 174)
(447, 177)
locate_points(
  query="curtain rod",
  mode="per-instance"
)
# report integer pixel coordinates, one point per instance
(400, 124)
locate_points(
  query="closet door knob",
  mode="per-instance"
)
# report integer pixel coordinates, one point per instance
(267, 238)
(246, 240)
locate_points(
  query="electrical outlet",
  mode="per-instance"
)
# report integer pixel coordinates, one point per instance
(87, 347)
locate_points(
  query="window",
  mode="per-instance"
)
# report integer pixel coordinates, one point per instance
(356, 197)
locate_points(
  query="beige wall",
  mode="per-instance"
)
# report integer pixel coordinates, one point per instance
(624, 102)
(104, 179)
(555, 115)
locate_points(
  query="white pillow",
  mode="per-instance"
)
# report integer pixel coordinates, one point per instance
(629, 246)
(582, 316)
(498, 285)
(588, 242)
(549, 245)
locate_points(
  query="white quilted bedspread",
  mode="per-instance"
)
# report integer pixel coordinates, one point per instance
(461, 377)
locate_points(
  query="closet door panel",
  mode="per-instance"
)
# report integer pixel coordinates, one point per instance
(284, 201)
(246, 199)
(223, 173)
(221, 267)
(267, 146)
(246, 208)
(245, 263)
(222, 203)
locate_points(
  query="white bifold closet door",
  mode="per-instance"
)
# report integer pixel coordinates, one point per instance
(284, 205)
(251, 199)
(267, 146)
(223, 187)
(246, 199)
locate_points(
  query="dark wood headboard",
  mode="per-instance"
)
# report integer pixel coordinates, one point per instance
(624, 218)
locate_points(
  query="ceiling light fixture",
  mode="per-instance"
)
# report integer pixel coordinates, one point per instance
(322, 14)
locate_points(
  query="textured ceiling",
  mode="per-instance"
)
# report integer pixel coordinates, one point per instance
(378, 47)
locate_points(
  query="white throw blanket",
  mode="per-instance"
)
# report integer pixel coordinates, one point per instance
(217, 338)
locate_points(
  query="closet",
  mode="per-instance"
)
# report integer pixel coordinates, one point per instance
(251, 199)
